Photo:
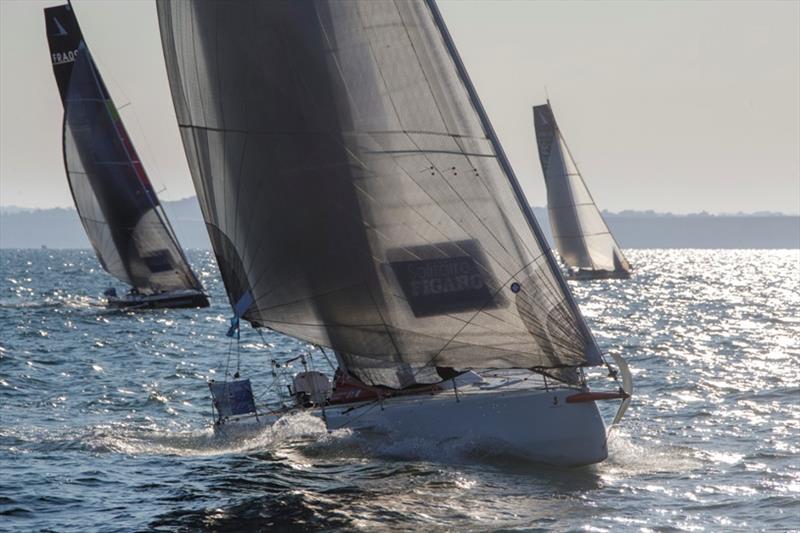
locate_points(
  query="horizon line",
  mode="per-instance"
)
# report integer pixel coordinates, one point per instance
(646, 211)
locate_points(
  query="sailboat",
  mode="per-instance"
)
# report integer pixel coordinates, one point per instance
(584, 242)
(115, 200)
(357, 198)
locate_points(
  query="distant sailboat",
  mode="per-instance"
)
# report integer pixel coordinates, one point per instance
(583, 240)
(114, 198)
(357, 198)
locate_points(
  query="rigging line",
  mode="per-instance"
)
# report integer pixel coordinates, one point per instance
(237, 219)
(571, 188)
(569, 347)
(325, 355)
(326, 325)
(506, 165)
(228, 362)
(457, 333)
(369, 407)
(277, 380)
(402, 170)
(118, 126)
(229, 212)
(252, 214)
(238, 350)
(205, 121)
(119, 129)
(445, 212)
(441, 118)
(165, 220)
(224, 129)
(427, 151)
(444, 123)
(427, 132)
(339, 141)
(477, 218)
(519, 243)
(581, 235)
(580, 175)
(262, 183)
(147, 144)
(413, 208)
(398, 115)
(90, 66)
(576, 204)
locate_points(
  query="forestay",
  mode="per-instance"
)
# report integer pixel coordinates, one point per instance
(113, 196)
(582, 237)
(354, 194)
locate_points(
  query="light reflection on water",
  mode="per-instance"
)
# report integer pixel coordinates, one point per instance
(105, 416)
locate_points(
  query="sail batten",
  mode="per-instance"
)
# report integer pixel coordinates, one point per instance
(582, 237)
(352, 187)
(113, 195)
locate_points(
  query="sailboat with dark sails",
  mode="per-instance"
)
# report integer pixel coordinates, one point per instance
(583, 240)
(115, 200)
(357, 198)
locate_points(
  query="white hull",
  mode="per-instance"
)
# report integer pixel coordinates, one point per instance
(536, 425)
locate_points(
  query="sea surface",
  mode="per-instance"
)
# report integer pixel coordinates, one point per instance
(105, 416)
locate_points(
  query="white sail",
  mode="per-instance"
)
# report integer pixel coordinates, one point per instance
(582, 237)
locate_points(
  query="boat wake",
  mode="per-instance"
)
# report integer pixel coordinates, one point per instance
(364, 445)
(291, 430)
(628, 456)
(68, 301)
(304, 437)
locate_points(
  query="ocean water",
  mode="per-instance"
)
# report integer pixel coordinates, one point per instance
(105, 424)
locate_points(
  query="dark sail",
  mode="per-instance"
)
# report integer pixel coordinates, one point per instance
(582, 237)
(355, 196)
(114, 198)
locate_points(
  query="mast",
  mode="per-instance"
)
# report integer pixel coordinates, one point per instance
(594, 354)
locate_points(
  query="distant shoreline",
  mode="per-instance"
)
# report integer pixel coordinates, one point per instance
(59, 228)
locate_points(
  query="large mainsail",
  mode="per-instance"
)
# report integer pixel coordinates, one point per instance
(582, 237)
(355, 194)
(113, 196)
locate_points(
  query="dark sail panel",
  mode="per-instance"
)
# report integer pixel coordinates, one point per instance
(353, 193)
(113, 195)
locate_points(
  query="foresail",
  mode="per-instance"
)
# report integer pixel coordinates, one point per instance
(353, 196)
(582, 237)
(113, 197)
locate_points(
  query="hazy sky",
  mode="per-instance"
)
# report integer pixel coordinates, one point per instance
(672, 106)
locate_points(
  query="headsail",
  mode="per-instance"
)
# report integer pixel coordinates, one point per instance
(355, 195)
(114, 198)
(582, 237)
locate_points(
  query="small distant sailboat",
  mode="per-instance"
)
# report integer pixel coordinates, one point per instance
(357, 198)
(583, 240)
(117, 205)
